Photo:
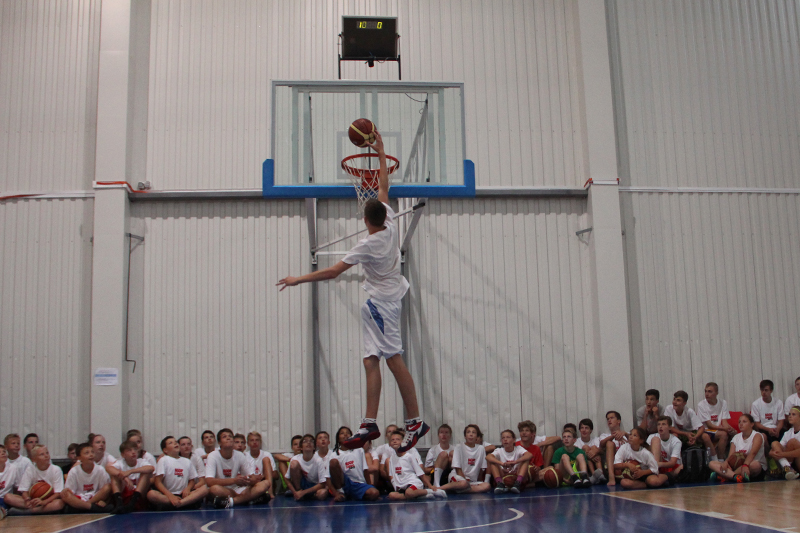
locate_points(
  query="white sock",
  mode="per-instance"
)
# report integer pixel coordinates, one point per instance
(487, 478)
(712, 458)
(784, 462)
(369, 420)
(429, 491)
(437, 476)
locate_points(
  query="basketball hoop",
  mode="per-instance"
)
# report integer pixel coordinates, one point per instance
(365, 180)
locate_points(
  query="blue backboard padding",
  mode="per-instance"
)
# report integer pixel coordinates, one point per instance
(270, 190)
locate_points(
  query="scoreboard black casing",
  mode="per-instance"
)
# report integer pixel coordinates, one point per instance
(369, 38)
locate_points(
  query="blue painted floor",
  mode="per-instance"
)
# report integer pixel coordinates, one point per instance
(537, 510)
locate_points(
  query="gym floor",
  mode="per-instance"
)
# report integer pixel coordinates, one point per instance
(770, 505)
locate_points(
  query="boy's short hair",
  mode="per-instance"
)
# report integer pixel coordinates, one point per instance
(513, 435)
(526, 424)
(29, 435)
(9, 437)
(586, 422)
(766, 383)
(90, 438)
(322, 433)
(72, 447)
(2, 446)
(180, 439)
(570, 430)
(133, 433)
(163, 442)
(310, 437)
(476, 428)
(712, 384)
(240, 437)
(664, 418)
(445, 426)
(222, 432)
(570, 425)
(127, 445)
(375, 212)
(254, 434)
(391, 426)
(207, 432)
(82, 446)
(615, 413)
(38, 446)
(296, 437)
(398, 432)
(653, 392)
(798, 379)
(682, 394)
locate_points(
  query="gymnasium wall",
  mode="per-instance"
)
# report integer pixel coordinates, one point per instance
(48, 87)
(708, 122)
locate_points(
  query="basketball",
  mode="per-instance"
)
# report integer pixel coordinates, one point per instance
(551, 478)
(736, 460)
(509, 480)
(40, 490)
(361, 132)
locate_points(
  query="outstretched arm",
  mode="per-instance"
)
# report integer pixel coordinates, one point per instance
(383, 173)
(319, 275)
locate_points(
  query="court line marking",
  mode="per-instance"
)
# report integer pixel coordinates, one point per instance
(611, 495)
(519, 514)
(85, 523)
(207, 528)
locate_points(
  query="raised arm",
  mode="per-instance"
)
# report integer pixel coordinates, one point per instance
(383, 172)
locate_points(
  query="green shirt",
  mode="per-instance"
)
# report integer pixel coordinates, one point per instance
(563, 451)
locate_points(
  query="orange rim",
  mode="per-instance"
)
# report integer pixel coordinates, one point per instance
(369, 176)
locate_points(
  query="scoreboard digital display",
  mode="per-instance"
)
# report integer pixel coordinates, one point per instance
(369, 38)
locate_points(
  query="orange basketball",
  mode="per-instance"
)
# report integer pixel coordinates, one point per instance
(736, 460)
(551, 478)
(40, 490)
(509, 480)
(361, 132)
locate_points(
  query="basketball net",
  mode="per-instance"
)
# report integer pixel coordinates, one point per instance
(365, 180)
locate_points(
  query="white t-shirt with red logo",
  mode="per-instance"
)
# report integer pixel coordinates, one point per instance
(645, 458)
(433, 454)
(176, 473)
(503, 456)
(313, 470)
(217, 467)
(406, 471)
(84, 485)
(686, 421)
(257, 463)
(713, 413)
(470, 460)
(9, 479)
(353, 463)
(122, 466)
(767, 414)
(53, 476)
(669, 448)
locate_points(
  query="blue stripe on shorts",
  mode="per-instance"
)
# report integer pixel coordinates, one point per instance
(376, 315)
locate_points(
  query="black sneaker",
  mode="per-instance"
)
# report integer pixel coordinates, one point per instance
(413, 434)
(365, 434)
(223, 502)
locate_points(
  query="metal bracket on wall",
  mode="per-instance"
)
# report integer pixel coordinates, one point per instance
(581, 232)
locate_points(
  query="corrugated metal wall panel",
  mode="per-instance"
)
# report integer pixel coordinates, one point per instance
(500, 323)
(48, 87)
(707, 92)
(45, 296)
(713, 291)
(212, 62)
(221, 346)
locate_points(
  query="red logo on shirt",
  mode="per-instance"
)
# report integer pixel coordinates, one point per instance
(226, 472)
(2, 485)
(88, 488)
(471, 461)
(768, 416)
(398, 470)
(349, 464)
(714, 418)
(664, 456)
(179, 472)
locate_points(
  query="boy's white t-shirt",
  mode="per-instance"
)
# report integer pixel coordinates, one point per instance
(470, 460)
(176, 473)
(713, 413)
(433, 453)
(640, 416)
(122, 465)
(406, 471)
(389, 452)
(84, 485)
(645, 458)
(21, 463)
(107, 459)
(767, 414)
(199, 464)
(200, 452)
(217, 467)
(538, 439)
(744, 446)
(379, 255)
(149, 459)
(381, 452)
(353, 464)
(53, 476)
(617, 444)
(686, 421)
(669, 448)
(325, 472)
(503, 456)
(9, 479)
(257, 463)
(313, 470)
(580, 443)
(791, 401)
(789, 435)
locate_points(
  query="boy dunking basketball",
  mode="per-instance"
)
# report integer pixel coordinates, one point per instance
(379, 253)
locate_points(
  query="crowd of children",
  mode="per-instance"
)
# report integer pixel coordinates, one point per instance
(230, 469)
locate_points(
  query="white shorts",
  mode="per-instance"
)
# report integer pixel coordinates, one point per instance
(381, 328)
(453, 478)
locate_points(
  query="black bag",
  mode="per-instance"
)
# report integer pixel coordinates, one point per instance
(695, 466)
